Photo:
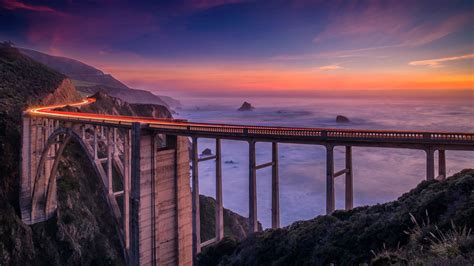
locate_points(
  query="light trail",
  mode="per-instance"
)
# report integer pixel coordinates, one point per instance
(185, 127)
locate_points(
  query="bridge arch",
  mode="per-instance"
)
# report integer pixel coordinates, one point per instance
(43, 205)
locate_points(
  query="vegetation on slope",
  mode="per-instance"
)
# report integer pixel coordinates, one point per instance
(83, 231)
(353, 237)
(22, 83)
(235, 225)
(74, 240)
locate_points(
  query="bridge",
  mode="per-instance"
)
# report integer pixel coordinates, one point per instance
(155, 207)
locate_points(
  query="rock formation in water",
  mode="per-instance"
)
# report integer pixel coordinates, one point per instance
(206, 152)
(246, 107)
(342, 119)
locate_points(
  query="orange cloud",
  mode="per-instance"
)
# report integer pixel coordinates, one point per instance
(438, 62)
(330, 67)
(268, 78)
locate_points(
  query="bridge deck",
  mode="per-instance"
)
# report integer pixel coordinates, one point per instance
(322, 136)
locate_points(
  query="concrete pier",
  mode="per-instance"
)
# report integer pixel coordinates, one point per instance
(275, 187)
(330, 191)
(349, 179)
(195, 199)
(441, 164)
(253, 223)
(219, 200)
(430, 166)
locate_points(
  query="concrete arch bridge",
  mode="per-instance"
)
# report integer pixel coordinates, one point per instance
(156, 211)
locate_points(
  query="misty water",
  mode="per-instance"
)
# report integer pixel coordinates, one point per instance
(380, 174)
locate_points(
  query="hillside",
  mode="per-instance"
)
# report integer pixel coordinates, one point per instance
(416, 228)
(106, 104)
(82, 228)
(82, 225)
(90, 80)
(234, 224)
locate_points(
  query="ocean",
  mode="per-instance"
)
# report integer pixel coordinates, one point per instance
(380, 174)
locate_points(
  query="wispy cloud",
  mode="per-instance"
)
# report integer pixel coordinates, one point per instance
(330, 67)
(438, 61)
(388, 23)
(13, 4)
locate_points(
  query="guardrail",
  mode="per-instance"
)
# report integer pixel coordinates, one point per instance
(180, 125)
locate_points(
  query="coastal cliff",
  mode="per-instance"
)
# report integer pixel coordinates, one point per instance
(427, 226)
(81, 232)
(82, 224)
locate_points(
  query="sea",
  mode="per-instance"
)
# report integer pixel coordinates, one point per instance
(380, 174)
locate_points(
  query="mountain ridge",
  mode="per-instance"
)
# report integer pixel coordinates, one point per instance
(90, 80)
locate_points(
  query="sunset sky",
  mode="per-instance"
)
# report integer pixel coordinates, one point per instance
(247, 46)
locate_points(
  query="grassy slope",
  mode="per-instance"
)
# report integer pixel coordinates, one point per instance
(347, 237)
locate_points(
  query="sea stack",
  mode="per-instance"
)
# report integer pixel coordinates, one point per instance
(246, 107)
(206, 152)
(342, 119)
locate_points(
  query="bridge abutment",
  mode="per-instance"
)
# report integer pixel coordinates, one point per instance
(161, 201)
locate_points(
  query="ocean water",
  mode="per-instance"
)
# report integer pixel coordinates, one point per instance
(380, 174)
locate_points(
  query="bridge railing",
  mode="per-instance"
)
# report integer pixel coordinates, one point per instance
(249, 130)
(319, 132)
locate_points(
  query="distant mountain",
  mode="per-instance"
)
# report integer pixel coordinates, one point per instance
(90, 80)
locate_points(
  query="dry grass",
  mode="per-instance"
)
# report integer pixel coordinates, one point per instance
(428, 244)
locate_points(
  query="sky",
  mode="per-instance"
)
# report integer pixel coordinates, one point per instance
(241, 46)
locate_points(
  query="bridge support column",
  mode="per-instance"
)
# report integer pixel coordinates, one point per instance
(26, 165)
(195, 199)
(109, 162)
(430, 169)
(95, 143)
(349, 179)
(330, 192)
(253, 224)
(134, 255)
(126, 189)
(219, 201)
(442, 164)
(275, 188)
(161, 220)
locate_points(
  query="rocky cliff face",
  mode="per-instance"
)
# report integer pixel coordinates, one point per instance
(106, 104)
(65, 92)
